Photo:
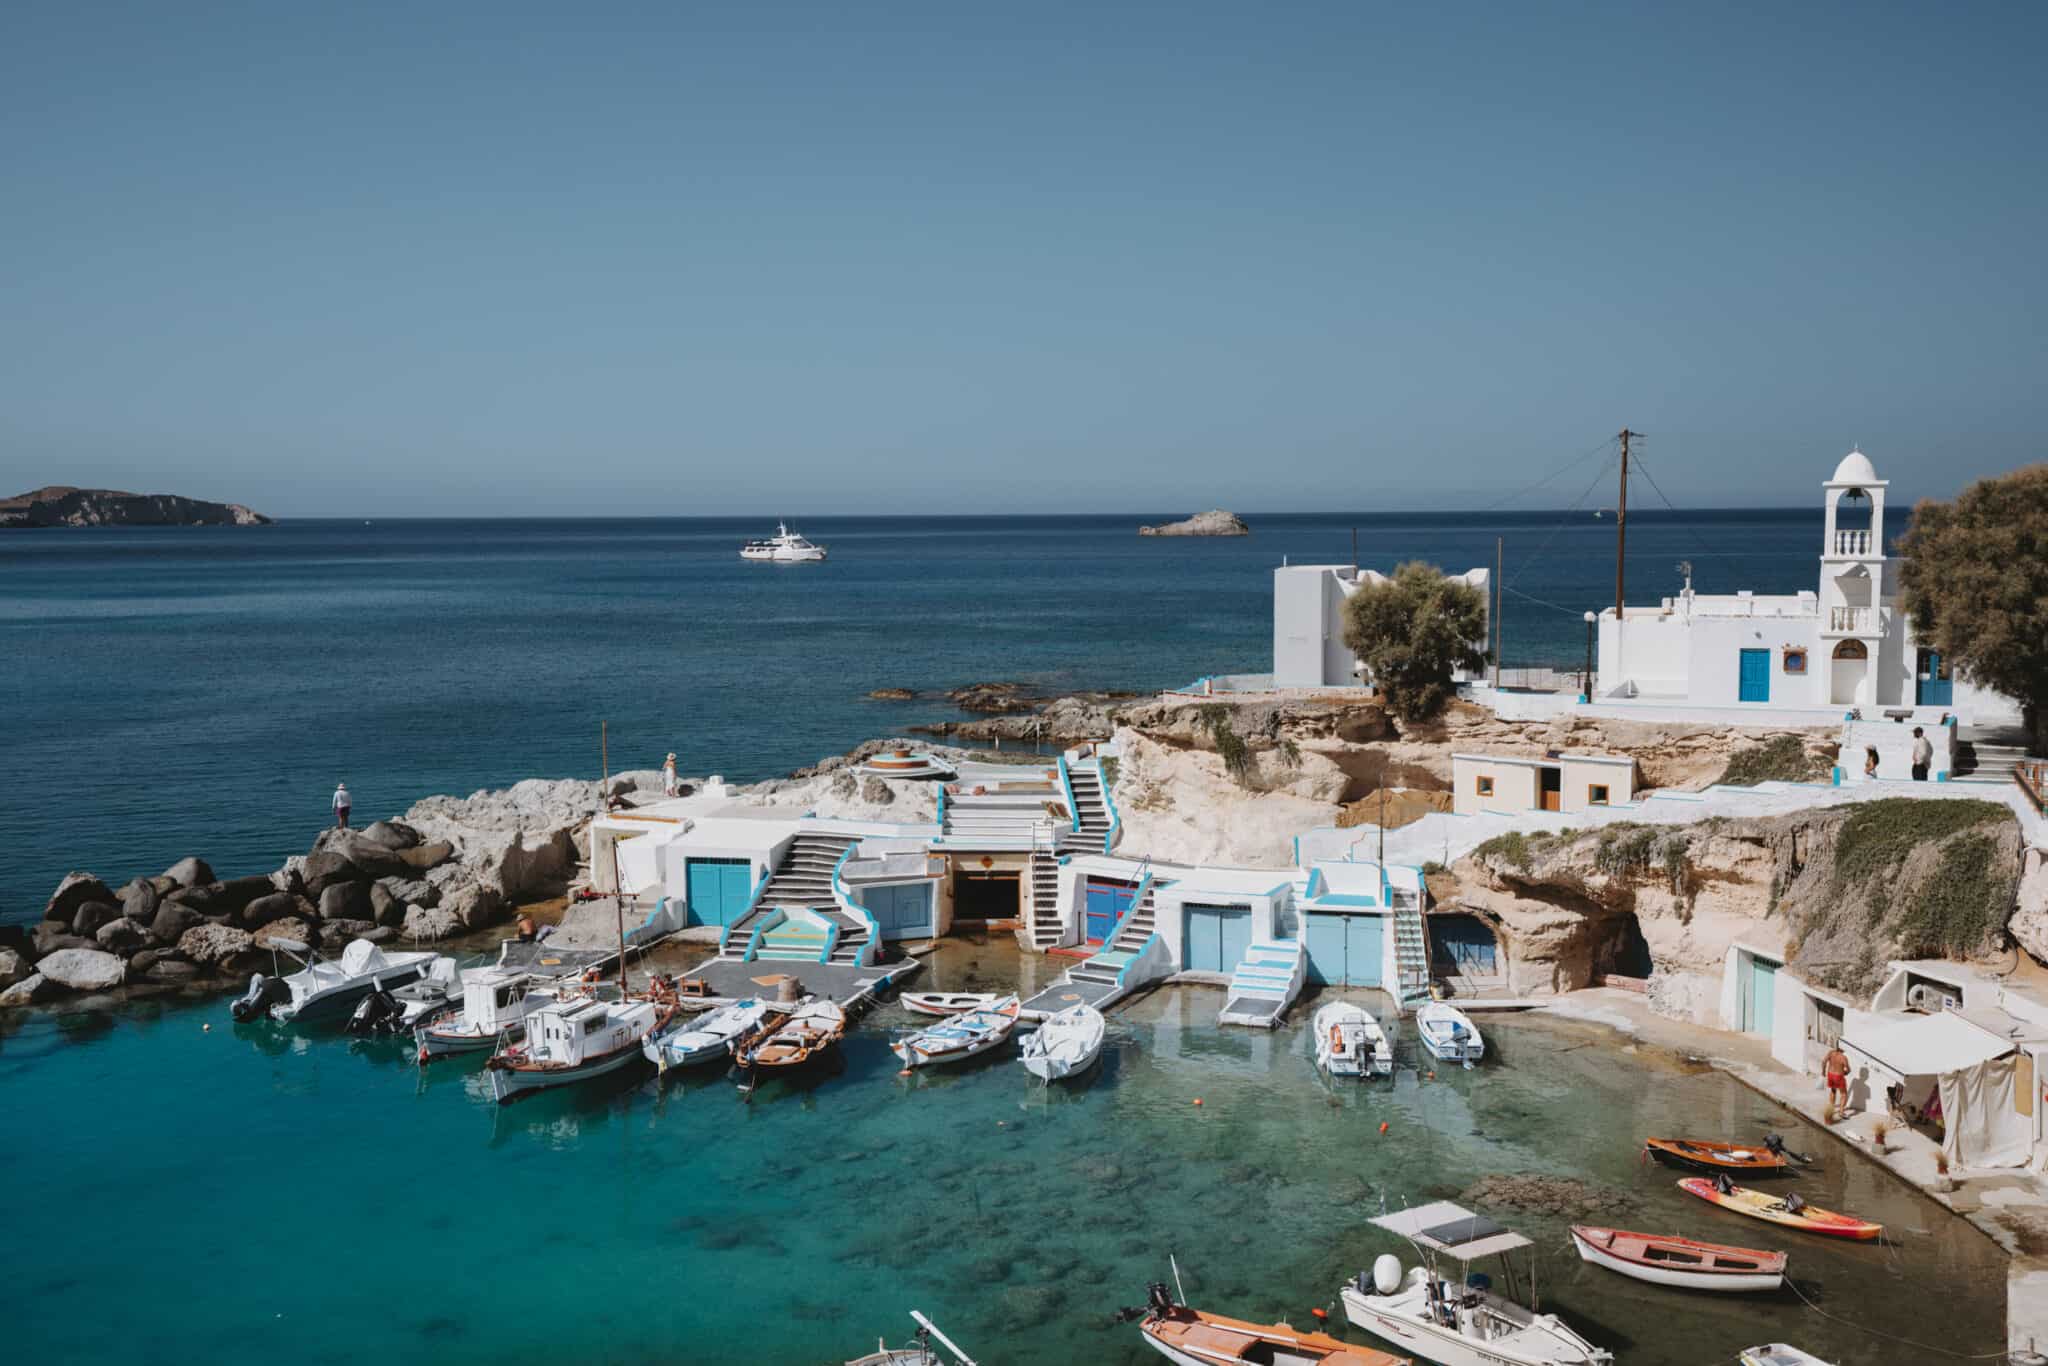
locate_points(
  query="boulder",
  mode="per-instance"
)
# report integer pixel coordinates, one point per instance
(291, 878)
(200, 898)
(30, 989)
(346, 901)
(265, 910)
(326, 868)
(141, 963)
(163, 883)
(392, 834)
(383, 934)
(373, 859)
(74, 891)
(412, 891)
(385, 908)
(189, 872)
(84, 969)
(140, 900)
(428, 924)
(51, 936)
(236, 893)
(877, 791)
(93, 914)
(13, 967)
(289, 928)
(123, 936)
(171, 922)
(475, 905)
(2029, 923)
(171, 970)
(19, 938)
(429, 855)
(214, 946)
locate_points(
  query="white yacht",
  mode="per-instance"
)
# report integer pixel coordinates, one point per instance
(1461, 1321)
(784, 547)
(323, 988)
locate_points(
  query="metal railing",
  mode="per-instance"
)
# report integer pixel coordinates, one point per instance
(2032, 776)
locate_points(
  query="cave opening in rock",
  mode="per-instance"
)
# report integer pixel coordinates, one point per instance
(1626, 953)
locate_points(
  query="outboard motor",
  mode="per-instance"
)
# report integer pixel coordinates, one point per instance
(379, 1013)
(256, 1002)
(1723, 1184)
(1794, 1203)
(1158, 1305)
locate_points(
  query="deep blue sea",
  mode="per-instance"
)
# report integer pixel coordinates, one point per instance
(201, 690)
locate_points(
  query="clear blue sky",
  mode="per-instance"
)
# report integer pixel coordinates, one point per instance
(448, 258)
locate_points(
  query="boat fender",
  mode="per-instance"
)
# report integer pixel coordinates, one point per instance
(1386, 1273)
(1336, 1038)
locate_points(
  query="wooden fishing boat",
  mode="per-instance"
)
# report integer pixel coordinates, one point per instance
(1704, 1155)
(947, 1002)
(1067, 1044)
(814, 1026)
(960, 1037)
(495, 1004)
(1192, 1337)
(710, 1036)
(920, 1352)
(1789, 1212)
(573, 1040)
(1679, 1261)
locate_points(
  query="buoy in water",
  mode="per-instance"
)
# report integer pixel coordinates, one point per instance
(1320, 1313)
(1430, 1075)
(1198, 1100)
(1383, 1126)
(206, 1028)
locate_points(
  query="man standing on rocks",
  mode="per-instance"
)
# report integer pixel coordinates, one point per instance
(341, 805)
(1923, 755)
(1835, 1067)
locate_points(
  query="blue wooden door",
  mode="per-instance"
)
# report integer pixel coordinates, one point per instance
(1364, 941)
(1214, 937)
(1106, 903)
(1933, 687)
(719, 889)
(1324, 934)
(1755, 685)
(1345, 950)
(901, 912)
(1760, 1009)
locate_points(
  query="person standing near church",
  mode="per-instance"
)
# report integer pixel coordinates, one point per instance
(668, 775)
(1923, 755)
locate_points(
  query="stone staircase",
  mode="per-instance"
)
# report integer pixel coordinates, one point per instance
(803, 878)
(1045, 895)
(1264, 983)
(1411, 947)
(1091, 810)
(1989, 759)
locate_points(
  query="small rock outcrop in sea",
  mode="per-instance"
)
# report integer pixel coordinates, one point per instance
(1535, 1192)
(62, 505)
(1214, 522)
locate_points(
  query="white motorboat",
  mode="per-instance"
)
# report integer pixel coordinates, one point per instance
(1779, 1354)
(574, 1040)
(948, 1002)
(784, 547)
(1194, 1337)
(960, 1037)
(709, 1037)
(324, 988)
(1065, 1045)
(918, 1353)
(1449, 1034)
(401, 1009)
(1460, 1322)
(494, 1005)
(1350, 1042)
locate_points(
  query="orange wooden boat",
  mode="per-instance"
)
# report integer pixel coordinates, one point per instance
(1790, 1212)
(1704, 1155)
(1194, 1338)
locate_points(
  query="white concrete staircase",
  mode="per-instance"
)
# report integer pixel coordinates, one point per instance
(1046, 930)
(1411, 948)
(804, 879)
(1264, 983)
(1091, 829)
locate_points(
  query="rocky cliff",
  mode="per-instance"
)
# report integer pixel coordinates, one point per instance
(1838, 890)
(1214, 522)
(62, 505)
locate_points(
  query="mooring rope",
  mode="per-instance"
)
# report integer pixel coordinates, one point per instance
(1894, 1337)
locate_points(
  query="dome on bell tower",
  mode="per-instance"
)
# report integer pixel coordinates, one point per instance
(1855, 469)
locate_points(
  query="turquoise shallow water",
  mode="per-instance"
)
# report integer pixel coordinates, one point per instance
(250, 1194)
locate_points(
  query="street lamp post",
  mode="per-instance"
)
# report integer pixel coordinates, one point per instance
(1586, 679)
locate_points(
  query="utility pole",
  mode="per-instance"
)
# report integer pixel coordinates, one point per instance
(1498, 639)
(1621, 525)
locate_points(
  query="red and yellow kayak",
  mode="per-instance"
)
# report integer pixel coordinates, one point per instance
(1773, 1209)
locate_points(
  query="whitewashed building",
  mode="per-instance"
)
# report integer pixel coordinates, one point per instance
(1844, 646)
(1308, 622)
(1558, 781)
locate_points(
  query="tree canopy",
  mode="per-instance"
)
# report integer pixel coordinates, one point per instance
(1975, 582)
(1410, 631)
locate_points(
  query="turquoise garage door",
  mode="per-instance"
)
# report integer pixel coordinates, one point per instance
(902, 912)
(1344, 950)
(1216, 936)
(719, 889)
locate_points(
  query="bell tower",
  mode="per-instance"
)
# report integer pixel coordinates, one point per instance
(1853, 609)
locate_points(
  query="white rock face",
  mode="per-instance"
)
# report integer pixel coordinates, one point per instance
(519, 841)
(1214, 522)
(83, 969)
(2029, 923)
(1180, 806)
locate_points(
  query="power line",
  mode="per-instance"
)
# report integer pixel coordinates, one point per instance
(1543, 602)
(1523, 567)
(1560, 471)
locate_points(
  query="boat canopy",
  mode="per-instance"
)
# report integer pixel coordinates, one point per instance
(361, 956)
(1453, 1230)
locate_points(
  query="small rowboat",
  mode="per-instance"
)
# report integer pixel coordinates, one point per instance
(1194, 1337)
(1702, 1155)
(959, 1038)
(1066, 1045)
(710, 1037)
(813, 1027)
(1790, 1212)
(1449, 1034)
(1679, 1261)
(1778, 1354)
(948, 1002)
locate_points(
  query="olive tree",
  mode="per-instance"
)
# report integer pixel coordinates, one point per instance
(1411, 631)
(1975, 582)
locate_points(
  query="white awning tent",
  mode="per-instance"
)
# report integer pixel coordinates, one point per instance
(1974, 1069)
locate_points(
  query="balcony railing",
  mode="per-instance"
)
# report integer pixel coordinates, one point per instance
(1852, 620)
(1852, 542)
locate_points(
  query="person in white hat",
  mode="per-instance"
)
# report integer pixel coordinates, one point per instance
(341, 805)
(668, 775)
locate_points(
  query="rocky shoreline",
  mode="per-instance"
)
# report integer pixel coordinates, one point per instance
(1214, 522)
(60, 505)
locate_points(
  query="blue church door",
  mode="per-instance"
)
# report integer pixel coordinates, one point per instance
(1934, 686)
(1755, 681)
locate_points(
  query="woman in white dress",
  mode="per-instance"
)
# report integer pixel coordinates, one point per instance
(668, 775)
